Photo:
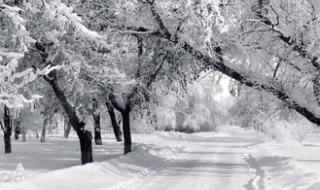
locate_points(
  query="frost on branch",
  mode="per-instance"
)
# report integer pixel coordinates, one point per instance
(14, 42)
(63, 17)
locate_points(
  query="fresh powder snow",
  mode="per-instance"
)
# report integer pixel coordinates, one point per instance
(231, 158)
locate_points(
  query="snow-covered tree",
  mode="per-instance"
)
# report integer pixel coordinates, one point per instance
(209, 31)
(14, 42)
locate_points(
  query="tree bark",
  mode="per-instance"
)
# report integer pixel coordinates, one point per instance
(24, 133)
(96, 119)
(17, 128)
(316, 88)
(97, 130)
(67, 127)
(84, 136)
(7, 144)
(8, 130)
(44, 130)
(125, 113)
(126, 131)
(114, 123)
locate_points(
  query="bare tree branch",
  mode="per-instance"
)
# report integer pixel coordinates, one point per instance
(154, 75)
(299, 48)
(3, 129)
(163, 29)
(277, 67)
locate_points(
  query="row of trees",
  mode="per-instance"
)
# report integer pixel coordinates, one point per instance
(112, 53)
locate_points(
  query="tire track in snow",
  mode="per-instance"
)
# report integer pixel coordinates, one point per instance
(256, 183)
(273, 171)
(139, 178)
(220, 164)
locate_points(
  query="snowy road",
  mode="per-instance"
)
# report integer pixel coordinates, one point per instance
(208, 163)
(231, 159)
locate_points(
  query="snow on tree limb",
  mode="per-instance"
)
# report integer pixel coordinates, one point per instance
(218, 64)
(12, 77)
(62, 15)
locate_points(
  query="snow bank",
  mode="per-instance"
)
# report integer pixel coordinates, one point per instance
(277, 166)
(232, 156)
(114, 174)
(17, 175)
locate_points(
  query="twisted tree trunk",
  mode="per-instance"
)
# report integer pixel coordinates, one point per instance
(114, 123)
(125, 113)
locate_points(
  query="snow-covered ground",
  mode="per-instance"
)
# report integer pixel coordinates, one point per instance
(230, 159)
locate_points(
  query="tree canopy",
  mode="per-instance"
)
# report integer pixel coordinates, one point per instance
(129, 54)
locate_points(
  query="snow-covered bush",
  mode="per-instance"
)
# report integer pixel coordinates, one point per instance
(264, 113)
(191, 110)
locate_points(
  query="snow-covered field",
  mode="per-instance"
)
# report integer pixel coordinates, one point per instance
(230, 159)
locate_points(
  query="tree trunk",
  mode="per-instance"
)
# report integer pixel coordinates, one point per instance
(125, 112)
(97, 129)
(85, 139)
(84, 136)
(37, 134)
(96, 120)
(16, 135)
(126, 131)
(7, 144)
(24, 133)
(114, 123)
(44, 130)
(316, 88)
(17, 128)
(67, 128)
(8, 130)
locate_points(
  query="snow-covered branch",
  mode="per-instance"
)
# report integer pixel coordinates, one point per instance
(219, 65)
